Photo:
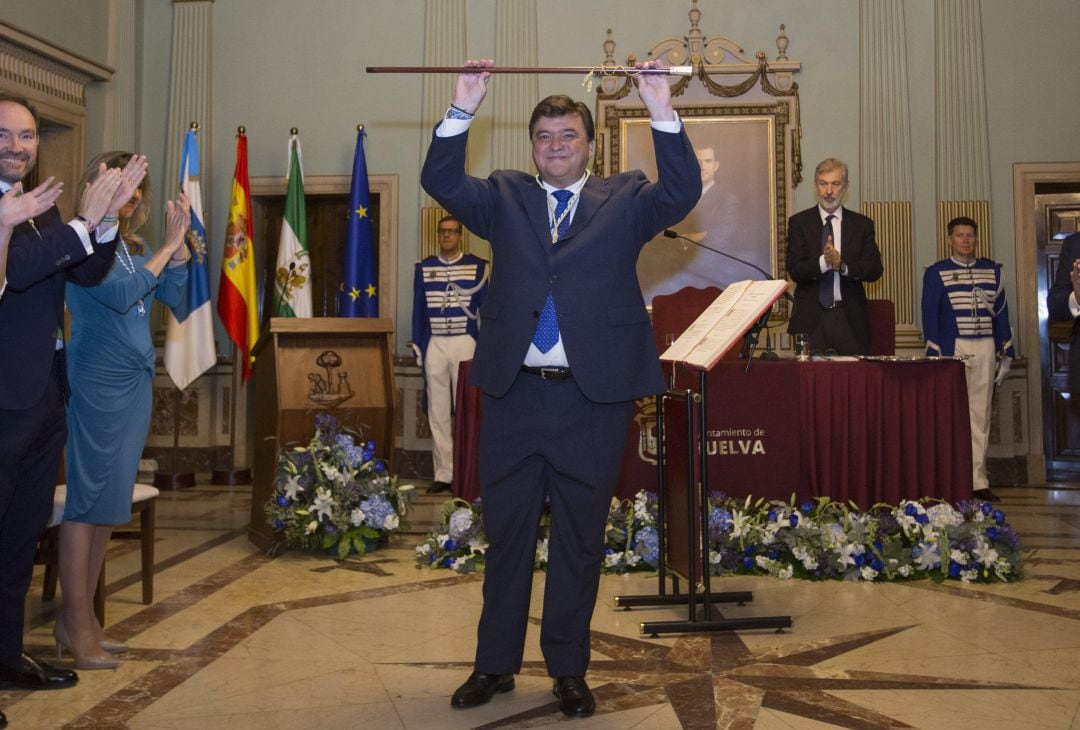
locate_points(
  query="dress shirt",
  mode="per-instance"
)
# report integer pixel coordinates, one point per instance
(838, 216)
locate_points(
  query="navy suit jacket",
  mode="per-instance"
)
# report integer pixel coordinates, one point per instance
(591, 271)
(858, 249)
(1057, 302)
(32, 306)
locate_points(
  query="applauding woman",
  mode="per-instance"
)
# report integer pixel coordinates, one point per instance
(110, 367)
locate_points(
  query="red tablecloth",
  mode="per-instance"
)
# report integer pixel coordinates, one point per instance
(865, 431)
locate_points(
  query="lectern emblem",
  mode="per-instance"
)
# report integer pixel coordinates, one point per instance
(326, 392)
(645, 418)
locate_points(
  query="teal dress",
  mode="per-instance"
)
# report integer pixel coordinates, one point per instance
(110, 363)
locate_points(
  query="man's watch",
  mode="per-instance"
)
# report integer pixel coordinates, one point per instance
(90, 227)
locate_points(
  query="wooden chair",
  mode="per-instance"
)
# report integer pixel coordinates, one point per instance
(882, 314)
(143, 504)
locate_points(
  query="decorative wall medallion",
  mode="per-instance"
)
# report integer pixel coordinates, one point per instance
(327, 392)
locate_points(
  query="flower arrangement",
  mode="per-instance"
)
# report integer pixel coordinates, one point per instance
(821, 539)
(826, 539)
(334, 494)
(459, 543)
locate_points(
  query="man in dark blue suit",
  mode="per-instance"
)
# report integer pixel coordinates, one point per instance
(43, 253)
(565, 348)
(829, 266)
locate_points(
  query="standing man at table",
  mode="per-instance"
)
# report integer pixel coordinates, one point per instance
(964, 313)
(43, 253)
(1063, 302)
(831, 251)
(565, 348)
(448, 289)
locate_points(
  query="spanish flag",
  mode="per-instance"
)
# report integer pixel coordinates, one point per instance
(237, 298)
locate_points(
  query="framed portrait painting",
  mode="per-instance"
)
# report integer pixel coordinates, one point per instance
(734, 231)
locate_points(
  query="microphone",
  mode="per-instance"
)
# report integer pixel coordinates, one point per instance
(284, 288)
(752, 336)
(669, 233)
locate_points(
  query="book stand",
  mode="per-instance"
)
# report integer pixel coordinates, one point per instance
(684, 543)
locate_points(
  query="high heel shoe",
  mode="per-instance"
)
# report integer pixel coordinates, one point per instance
(91, 661)
(113, 647)
(108, 645)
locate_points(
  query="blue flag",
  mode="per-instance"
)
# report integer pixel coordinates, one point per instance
(189, 336)
(358, 296)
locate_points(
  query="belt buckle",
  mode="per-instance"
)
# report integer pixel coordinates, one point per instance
(549, 373)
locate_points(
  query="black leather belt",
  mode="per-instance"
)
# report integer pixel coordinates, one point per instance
(548, 373)
(836, 305)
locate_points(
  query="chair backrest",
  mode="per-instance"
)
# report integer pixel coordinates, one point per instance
(673, 313)
(882, 314)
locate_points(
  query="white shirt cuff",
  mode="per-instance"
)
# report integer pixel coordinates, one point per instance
(452, 127)
(669, 127)
(84, 235)
(1074, 308)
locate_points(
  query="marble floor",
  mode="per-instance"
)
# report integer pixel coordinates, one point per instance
(238, 639)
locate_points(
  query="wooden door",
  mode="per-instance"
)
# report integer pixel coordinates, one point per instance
(327, 220)
(1057, 217)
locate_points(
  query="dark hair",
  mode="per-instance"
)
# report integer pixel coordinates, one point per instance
(561, 105)
(449, 218)
(23, 102)
(962, 221)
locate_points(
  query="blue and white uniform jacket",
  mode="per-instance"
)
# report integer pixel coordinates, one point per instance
(447, 297)
(963, 300)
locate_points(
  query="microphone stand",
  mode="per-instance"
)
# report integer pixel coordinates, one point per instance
(751, 338)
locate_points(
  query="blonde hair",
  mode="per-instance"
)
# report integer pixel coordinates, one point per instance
(129, 226)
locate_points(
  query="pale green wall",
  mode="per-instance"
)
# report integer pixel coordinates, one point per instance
(279, 64)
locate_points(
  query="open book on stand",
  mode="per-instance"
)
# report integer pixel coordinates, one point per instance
(724, 322)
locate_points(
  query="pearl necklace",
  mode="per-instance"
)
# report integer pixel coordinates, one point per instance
(129, 266)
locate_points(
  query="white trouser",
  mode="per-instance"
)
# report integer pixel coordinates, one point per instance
(441, 361)
(979, 370)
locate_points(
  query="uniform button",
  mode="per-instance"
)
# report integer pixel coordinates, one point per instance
(553, 279)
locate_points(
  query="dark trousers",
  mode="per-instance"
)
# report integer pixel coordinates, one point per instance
(544, 440)
(834, 332)
(31, 444)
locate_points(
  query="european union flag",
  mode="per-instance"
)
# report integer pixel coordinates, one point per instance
(358, 296)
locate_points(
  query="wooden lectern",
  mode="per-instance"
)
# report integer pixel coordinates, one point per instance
(307, 365)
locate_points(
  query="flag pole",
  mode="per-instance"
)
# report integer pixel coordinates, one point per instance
(176, 479)
(233, 476)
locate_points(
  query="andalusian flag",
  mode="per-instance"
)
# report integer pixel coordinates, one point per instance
(189, 333)
(358, 296)
(292, 289)
(237, 298)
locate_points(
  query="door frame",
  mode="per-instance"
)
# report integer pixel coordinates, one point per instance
(1025, 177)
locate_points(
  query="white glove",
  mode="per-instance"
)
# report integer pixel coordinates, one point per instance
(1002, 369)
(416, 351)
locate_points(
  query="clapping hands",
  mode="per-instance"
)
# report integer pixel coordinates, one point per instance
(18, 207)
(177, 222)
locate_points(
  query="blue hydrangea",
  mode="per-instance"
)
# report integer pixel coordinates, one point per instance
(719, 521)
(954, 569)
(376, 509)
(325, 422)
(986, 508)
(992, 533)
(793, 520)
(807, 507)
(278, 524)
(282, 501)
(648, 546)
(999, 516)
(380, 467)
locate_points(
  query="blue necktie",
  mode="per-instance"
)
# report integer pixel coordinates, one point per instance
(547, 327)
(825, 283)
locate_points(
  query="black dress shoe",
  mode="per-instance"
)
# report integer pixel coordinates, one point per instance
(32, 674)
(3, 721)
(437, 487)
(985, 495)
(479, 688)
(575, 699)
